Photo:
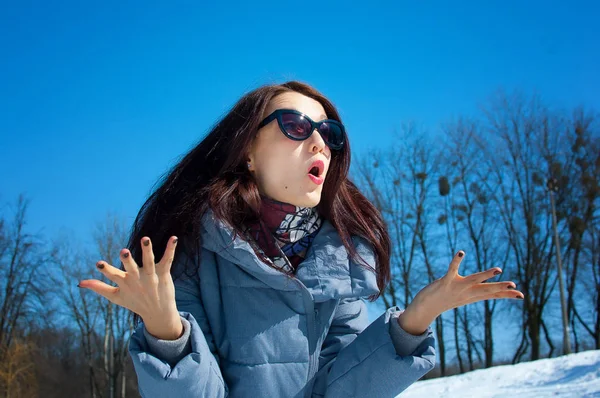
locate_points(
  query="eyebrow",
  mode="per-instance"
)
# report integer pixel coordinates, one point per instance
(321, 117)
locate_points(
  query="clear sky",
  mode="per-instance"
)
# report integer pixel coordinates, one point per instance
(98, 100)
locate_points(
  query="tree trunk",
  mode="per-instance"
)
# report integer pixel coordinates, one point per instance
(469, 338)
(457, 341)
(534, 337)
(439, 331)
(489, 341)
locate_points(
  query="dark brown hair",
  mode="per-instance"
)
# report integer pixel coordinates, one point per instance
(214, 174)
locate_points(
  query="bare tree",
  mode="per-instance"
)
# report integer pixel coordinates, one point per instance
(374, 171)
(449, 219)
(401, 183)
(580, 212)
(467, 205)
(104, 328)
(22, 294)
(110, 237)
(580, 207)
(84, 310)
(20, 259)
(17, 370)
(520, 131)
(423, 166)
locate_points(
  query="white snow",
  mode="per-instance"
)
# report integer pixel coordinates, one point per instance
(574, 375)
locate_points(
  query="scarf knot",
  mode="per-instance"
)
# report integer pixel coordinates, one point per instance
(284, 232)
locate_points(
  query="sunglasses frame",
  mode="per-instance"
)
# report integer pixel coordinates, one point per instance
(314, 125)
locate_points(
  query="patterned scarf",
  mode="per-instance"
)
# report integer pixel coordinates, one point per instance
(284, 232)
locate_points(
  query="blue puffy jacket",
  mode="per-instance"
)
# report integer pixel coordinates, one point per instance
(251, 331)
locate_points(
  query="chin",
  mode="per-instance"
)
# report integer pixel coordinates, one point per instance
(309, 199)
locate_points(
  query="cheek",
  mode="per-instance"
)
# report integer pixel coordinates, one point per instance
(277, 160)
(278, 169)
(274, 168)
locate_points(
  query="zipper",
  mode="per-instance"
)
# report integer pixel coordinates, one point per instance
(311, 312)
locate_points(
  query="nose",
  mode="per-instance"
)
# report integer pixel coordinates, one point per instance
(317, 142)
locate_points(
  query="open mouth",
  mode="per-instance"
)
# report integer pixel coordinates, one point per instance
(317, 168)
(315, 171)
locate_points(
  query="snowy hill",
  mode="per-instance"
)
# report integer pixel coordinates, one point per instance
(575, 375)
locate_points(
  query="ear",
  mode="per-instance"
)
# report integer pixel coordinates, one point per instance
(250, 155)
(250, 163)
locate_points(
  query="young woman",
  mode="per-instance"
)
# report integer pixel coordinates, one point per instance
(277, 250)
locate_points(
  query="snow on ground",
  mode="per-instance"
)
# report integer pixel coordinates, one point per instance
(574, 375)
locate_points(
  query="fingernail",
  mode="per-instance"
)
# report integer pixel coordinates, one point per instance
(175, 240)
(146, 242)
(126, 254)
(78, 285)
(520, 298)
(497, 272)
(460, 254)
(100, 265)
(511, 287)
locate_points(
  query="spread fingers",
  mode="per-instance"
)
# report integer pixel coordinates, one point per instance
(484, 275)
(128, 263)
(111, 293)
(113, 274)
(164, 266)
(486, 291)
(147, 256)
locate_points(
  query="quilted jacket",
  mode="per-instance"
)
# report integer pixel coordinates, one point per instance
(252, 331)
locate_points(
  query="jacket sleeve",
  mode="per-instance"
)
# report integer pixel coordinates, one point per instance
(378, 360)
(197, 372)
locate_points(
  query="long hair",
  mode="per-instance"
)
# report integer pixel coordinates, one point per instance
(214, 174)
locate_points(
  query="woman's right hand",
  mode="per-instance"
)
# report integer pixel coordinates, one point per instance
(148, 291)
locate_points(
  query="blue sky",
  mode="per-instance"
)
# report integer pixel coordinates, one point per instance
(98, 100)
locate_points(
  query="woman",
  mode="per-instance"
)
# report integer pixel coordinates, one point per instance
(278, 249)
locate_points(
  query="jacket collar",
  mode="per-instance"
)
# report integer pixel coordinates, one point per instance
(327, 271)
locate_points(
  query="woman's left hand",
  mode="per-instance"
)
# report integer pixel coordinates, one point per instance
(452, 291)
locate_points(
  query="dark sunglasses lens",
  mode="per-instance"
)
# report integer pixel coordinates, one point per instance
(295, 125)
(332, 134)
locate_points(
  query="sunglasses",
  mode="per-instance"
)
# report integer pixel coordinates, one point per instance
(298, 127)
